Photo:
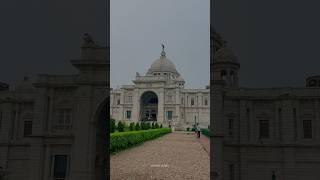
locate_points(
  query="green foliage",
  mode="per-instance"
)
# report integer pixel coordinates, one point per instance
(188, 129)
(148, 126)
(206, 132)
(161, 126)
(152, 126)
(121, 126)
(113, 126)
(123, 140)
(125, 127)
(145, 126)
(131, 127)
(137, 127)
(156, 126)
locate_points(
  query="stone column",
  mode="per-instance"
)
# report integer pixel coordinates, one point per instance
(136, 105)
(161, 101)
(81, 167)
(177, 99)
(217, 127)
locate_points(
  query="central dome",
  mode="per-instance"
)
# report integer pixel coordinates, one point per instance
(163, 64)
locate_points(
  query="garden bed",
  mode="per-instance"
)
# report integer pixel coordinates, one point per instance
(123, 140)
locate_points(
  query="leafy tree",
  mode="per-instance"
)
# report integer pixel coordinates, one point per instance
(156, 126)
(113, 126)
(152, 126)
(148, 126)
(121, 126)
(137, 127)
(131, 127)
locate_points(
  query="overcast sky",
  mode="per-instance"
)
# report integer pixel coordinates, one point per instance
(39, 36)
(277, 42)
(138, 27)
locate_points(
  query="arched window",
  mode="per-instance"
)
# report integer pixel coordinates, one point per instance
(223, 75)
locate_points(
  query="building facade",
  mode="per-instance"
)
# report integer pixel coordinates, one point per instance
(52, 129)
(262, 133)
(159, 96)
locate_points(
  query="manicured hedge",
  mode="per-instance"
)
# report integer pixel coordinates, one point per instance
(123, 140)
(206, 132)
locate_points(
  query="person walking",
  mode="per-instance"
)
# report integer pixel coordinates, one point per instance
(198, 130)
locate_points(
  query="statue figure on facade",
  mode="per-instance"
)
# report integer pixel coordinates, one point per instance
(88, 39)
(137, 74)
(162, 47)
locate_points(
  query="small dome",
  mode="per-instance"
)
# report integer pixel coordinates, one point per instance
(225, 55)
(25, 85)
(163, 64)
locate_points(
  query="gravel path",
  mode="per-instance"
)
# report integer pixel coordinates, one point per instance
(176, 156)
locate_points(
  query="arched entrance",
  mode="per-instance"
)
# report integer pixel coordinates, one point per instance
(149, 106)
(101, 164)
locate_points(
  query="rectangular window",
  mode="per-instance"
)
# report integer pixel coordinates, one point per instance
(307, 129)
(128, 114)
(192, 101)
(27, 129)
(64, 119)
(60, 167)
(118, 101)
(129, 99)
(206, 102)
(230, 127)
(169, 115)
(264, 128)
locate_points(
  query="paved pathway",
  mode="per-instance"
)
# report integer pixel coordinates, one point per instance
(175, 156)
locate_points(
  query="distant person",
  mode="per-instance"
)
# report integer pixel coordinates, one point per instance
(198, 130)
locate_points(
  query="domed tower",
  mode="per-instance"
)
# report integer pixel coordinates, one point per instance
(164, 68)
(313, 81)
(226, 67)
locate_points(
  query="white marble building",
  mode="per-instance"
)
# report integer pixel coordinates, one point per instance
(55, 128)
(262, 133)
(160, 96)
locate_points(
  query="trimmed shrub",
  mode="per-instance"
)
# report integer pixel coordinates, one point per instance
(148, 126)
(152, 126)
(156, 126)
(123, 140)
(131, 127)
(161, 126)
(113, 126)
(188, 129)
(125, 127)
(137, 127)
(206, 132)
(121, 126)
